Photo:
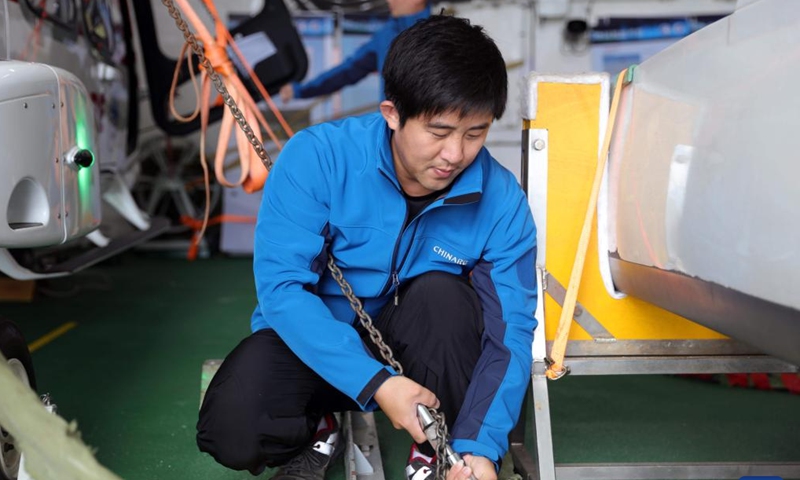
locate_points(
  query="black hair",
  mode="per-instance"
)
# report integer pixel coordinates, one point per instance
(445, 64)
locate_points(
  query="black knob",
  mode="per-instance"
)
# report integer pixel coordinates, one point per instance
(577, 27)
(83, 158)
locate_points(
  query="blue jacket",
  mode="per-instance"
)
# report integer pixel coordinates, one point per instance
(334, 185)
(367, 59)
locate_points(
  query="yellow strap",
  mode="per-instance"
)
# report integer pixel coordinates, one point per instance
(555, 368)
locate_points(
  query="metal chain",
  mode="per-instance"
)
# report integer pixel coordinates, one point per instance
(386, 353)
(219, 85)
(336, 272)
(363, 317)
(441, 447)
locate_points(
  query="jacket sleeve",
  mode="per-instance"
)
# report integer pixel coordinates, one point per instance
(506, 285)
(357, 66)
(289, 237)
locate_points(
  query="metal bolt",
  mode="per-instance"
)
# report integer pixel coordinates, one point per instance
(58, 216)
(53, 105)
(25, 105)
(538, 144)
(578, 311)
(66, 214)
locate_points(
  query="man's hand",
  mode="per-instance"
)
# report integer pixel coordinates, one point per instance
(398, 398)
(481, 467)
(286, 93)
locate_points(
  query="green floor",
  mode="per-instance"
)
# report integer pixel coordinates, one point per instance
(130, 374)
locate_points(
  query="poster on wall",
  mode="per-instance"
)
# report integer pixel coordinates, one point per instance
(617, 43)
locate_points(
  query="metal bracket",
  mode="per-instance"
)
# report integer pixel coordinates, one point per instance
(362, 453)
(582, 316)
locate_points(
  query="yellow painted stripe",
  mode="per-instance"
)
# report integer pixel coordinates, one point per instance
(44, 340)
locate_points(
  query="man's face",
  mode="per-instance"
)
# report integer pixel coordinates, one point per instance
(430, 152)
(399, 8)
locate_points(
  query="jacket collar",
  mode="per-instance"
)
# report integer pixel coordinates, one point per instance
(467, 188)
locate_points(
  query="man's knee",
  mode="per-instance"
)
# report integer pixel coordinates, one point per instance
(245, 421)
(243, 438)
(224, 430)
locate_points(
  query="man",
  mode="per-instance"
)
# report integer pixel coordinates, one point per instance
(367, 59)
(436, 240)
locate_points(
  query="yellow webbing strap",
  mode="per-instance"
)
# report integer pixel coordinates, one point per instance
(555, 363)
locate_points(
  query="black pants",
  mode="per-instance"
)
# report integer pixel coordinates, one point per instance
(263, 405)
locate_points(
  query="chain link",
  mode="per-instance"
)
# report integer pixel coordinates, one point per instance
(336, 272)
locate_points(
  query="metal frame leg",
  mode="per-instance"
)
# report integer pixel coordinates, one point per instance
(543, 435)
(523, 462)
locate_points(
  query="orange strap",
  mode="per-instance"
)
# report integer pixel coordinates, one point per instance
(253, 77)
(555, 368)
(253, 173)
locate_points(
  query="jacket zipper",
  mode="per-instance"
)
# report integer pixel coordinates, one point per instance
(396, 285)
(394, 278)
